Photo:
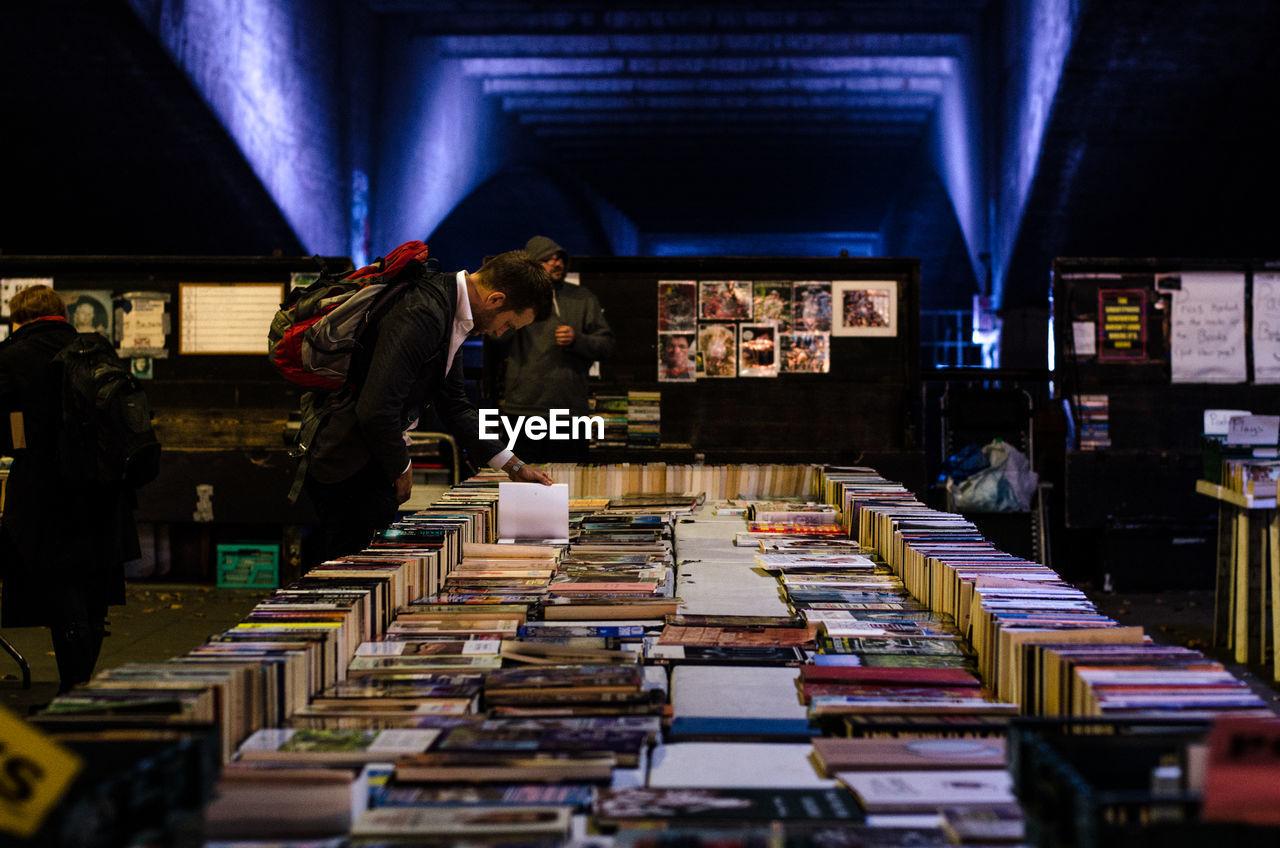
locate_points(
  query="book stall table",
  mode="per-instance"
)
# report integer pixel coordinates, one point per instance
(763, 667)
(1248, 568)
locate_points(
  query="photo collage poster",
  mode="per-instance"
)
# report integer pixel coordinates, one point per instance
(677, 331)
(733, 328)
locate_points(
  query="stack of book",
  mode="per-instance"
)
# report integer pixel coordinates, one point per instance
(1255, 477)
(613, 409)
(389, 699)
(792, 512)
(731, 640)
(717, 482)
(570, 690)
(644, 419)
(1093, 421)
(1120, 680)
(834, 690)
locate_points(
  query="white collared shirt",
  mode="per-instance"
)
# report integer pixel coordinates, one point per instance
(463, 323)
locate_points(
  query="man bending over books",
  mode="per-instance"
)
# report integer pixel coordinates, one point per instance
(359, 470)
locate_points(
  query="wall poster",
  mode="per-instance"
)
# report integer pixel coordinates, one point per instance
(865, 308)
(1122, 325)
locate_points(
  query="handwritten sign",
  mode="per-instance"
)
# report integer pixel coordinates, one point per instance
(1217, 421)
(36, 772)
(1206, 338)
(1254, 430)
(226, 317)
(1266, 327)
(1122, 317)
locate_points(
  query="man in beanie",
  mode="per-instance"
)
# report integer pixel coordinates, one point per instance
(547, 361)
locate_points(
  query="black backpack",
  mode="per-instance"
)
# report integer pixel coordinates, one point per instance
(106, 437)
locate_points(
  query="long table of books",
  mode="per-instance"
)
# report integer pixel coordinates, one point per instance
(774, 655)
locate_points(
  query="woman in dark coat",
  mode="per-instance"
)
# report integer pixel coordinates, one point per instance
(62, 544)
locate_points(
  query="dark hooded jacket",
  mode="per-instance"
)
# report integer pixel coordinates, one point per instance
(62, 546)
(542, 375)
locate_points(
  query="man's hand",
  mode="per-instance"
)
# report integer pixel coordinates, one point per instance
(519, 472)
(404, 485)
(529, 474)
(564, 335)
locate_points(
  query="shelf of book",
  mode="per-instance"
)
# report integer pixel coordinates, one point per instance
(1248, 568)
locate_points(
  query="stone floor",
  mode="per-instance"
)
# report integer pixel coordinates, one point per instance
(157, 621)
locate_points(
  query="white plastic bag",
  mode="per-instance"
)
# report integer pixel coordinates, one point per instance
(1005, 485)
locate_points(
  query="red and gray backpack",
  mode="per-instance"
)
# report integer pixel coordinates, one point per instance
(317, 329)
(316, 332)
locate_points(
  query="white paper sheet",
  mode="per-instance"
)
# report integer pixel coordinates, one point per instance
(1206, 342)
(533, 511)
(1266, 327)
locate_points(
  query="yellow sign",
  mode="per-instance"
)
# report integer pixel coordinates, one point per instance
(34, 773)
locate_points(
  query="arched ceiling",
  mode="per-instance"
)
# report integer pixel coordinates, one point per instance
(762, 117)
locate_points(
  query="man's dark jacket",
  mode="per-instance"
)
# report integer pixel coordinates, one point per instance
(63, 546)
(398, 374)
(543, 374)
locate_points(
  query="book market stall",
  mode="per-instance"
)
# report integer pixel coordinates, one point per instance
(735, 655)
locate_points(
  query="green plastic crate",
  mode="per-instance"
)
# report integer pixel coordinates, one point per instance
(246, 566)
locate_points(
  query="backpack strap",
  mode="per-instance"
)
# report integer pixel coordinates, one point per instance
(306, 435)
(302, 452)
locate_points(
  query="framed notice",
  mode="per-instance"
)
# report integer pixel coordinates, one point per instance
(1122, 325)
(865, 308)
(226, 318)
(143, 324)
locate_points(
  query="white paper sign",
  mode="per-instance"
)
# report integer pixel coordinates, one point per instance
(1084, 335)
(533, 511)
(1206, 343)
(144, 325)
(1254, 430)
(1216, 421)
(1266, 327)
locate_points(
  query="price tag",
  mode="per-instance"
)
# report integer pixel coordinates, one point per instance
(35, 771)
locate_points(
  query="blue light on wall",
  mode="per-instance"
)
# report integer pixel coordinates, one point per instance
(262, 66)
(1039, 34)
